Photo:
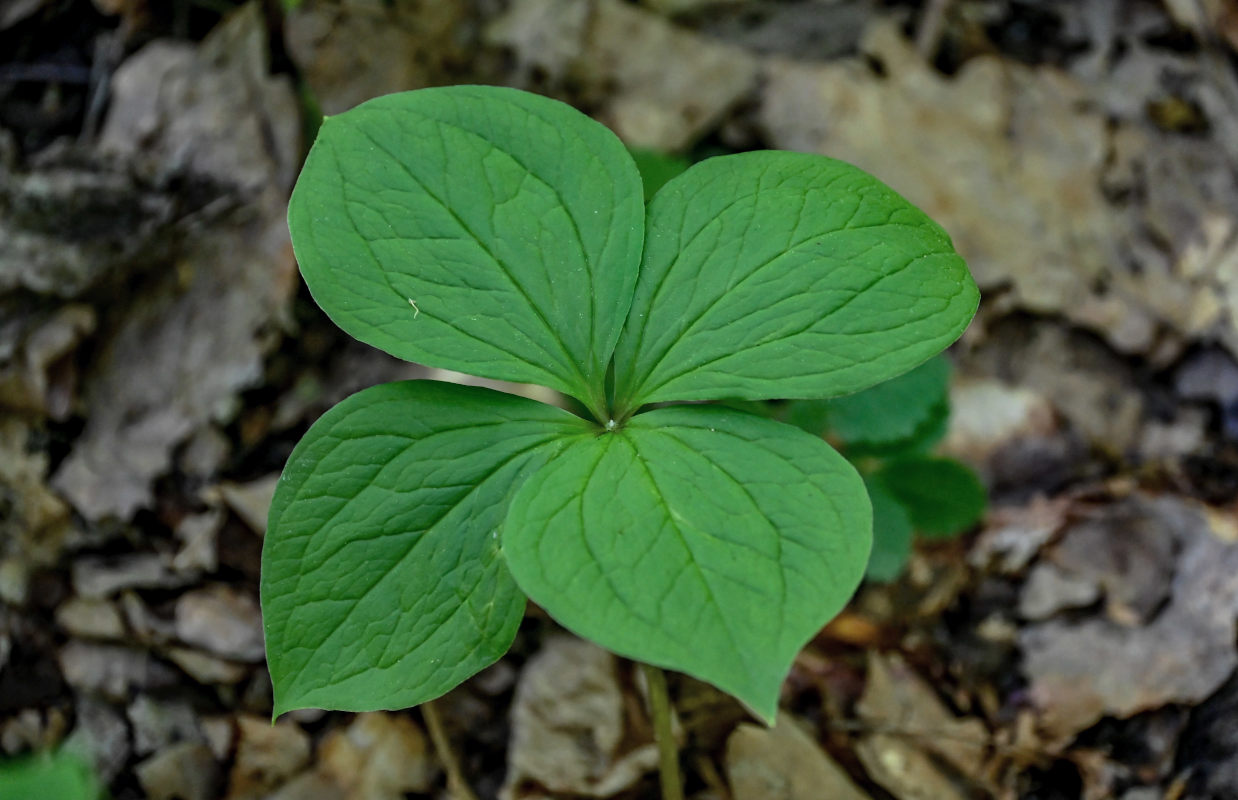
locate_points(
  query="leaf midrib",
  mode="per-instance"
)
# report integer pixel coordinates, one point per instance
(584, 385)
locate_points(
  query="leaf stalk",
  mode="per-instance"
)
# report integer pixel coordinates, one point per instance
(668, 750)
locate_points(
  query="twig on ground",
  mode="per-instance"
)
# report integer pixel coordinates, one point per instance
(456, 784)
(932, 26)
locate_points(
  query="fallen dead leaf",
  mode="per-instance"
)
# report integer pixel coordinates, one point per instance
(111, 670)
(987, 414)
(1126, 553)
(194, 336)
(198, 534)
(1049, 589)
(898, 701)
(1015, 536)
(100, 736)
(660, 86)
(204, 668)
(183, 771)
(567, 726)
(157, 723)
(251, 501)
(904, 770)
(266, 756)
(378, 757)
(30, 381)
(90, 619)
(36, 524)
(221, 621)
(407, 46)
(1080, 671)
(784, 763)
(104, 576)
(1012, 160)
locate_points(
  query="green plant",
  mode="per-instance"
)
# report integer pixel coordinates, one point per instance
(656, 168)
(888, 433)
(505, 235)
(60, 775)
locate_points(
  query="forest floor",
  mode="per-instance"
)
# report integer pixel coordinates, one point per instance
(159, 357)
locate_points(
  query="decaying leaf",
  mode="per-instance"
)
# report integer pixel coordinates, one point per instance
(266, 756)
(36, 372)
(407, 46)
(1081, 671)
(194, 336)
(377, 757)
(568, 725)
(662, 87)
(36, 522)
(784, 763)
(1025, 198)
(900, 706)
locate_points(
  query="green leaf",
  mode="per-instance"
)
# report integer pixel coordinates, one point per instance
(892, 413)
(942, 496)
(656, 168)
(931, 431)
(698, 539)
(475, 228)
(815, 417)
(892, 535)
(382, 585)
(54, 776)
(812, 416)
(789, 275)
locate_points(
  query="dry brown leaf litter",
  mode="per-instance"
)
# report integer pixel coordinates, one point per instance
(1081, 190)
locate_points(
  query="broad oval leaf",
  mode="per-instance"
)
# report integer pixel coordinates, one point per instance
(942, 496)
(785, 275)
(382, 585)
(699, 539)
(475, 228)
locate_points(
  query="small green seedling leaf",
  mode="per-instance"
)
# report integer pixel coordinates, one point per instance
(382, 585)
(789, 275)
(942, 496)
(475, 228)
(701, 539)
(892, 535)
(904, 414)
(53, 776)
(894, 413)
(900, 419)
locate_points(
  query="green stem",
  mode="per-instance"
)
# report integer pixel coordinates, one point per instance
(668, 752)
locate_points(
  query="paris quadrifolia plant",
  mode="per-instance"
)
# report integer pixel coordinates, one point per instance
(506, 235)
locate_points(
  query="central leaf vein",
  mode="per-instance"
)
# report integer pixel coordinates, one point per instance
(569, 360)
